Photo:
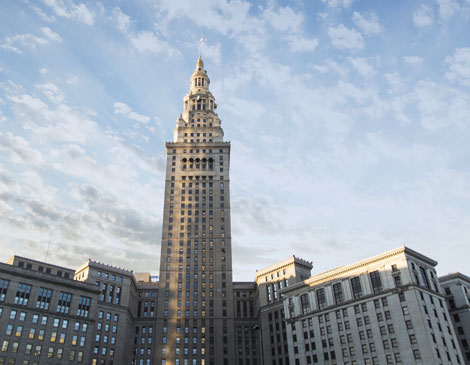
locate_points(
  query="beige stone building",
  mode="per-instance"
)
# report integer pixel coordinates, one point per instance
(195, 312)
(46, 317)
(388, 309)
(271, 315)
(456, 288)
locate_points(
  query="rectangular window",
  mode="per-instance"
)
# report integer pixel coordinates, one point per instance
(63, 306)
(22, 294)
(44, 299)
(305, 303)
(424, 277)
(321, 298)
(338, 293)
(83, 306)
(3, 289)
(356, 287)
(376, 282)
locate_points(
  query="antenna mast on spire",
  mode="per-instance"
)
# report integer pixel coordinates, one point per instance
(201, 42)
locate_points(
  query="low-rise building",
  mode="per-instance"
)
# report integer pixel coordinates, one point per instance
(46, 317)
(388, 309)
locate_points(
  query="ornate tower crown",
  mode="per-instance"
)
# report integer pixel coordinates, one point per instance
(199, 123)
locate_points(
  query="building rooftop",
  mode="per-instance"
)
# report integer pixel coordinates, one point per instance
(454, 276)
(280, 265)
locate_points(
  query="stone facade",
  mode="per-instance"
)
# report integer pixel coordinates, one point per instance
(195, 312)
(456, 288)
(46, 317)
(388, 309)
(271, 316)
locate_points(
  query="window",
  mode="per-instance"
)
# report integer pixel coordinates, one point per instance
(356, 287)
(44, 299)
(376, 282)
(321, 298)
(304, 303)
(424, 277)
(83, 307)
(22, 294)
(338, 293)
(63, 306)
(3, 289)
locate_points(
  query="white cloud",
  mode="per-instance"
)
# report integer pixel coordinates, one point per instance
(29, 40)
(212, 52)
(395, 82)
(300, 44)
(123, 21)
(441, 106)
(52, 92)
(30, 102)
(413, 60)
(345, 38)
(368, 24)
(448, 8)
(459, 66)
(338, 3)
(51, 35)
(126, 111)
(423, 16)
(362, 66)
(228, 18)
(147, 41)
(72, 11)
(19, 150)
(284, 19)
(289, 24)
(43, 15)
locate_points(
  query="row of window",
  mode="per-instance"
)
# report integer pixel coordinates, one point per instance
(43, 319)
(197, 150)
(37, 351)
(44, 298)
(338, 293)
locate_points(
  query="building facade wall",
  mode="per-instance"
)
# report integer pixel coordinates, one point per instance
(457, 292)
(371, 312)
(45, 318)
(247, 332)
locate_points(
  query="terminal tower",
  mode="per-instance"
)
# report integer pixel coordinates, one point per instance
(195, 321)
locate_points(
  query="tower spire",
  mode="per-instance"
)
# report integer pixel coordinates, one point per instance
(199, 117)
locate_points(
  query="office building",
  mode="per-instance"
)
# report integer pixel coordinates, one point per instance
(388, 309)
(195, 312)
(456, 288)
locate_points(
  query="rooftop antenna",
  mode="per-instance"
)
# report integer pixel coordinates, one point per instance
(201, 42)
(49, 245)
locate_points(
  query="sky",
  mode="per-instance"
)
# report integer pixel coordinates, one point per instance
(348, 120)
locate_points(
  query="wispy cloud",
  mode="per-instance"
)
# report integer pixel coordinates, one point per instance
(368, 23)
(344, 38)
(68, 9)
(459, 66)
(423, 16)
(28, 40)
(126, 111)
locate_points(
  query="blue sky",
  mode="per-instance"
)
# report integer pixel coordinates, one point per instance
(349, 122)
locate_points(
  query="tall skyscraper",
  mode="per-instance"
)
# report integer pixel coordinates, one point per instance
(195, 310)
